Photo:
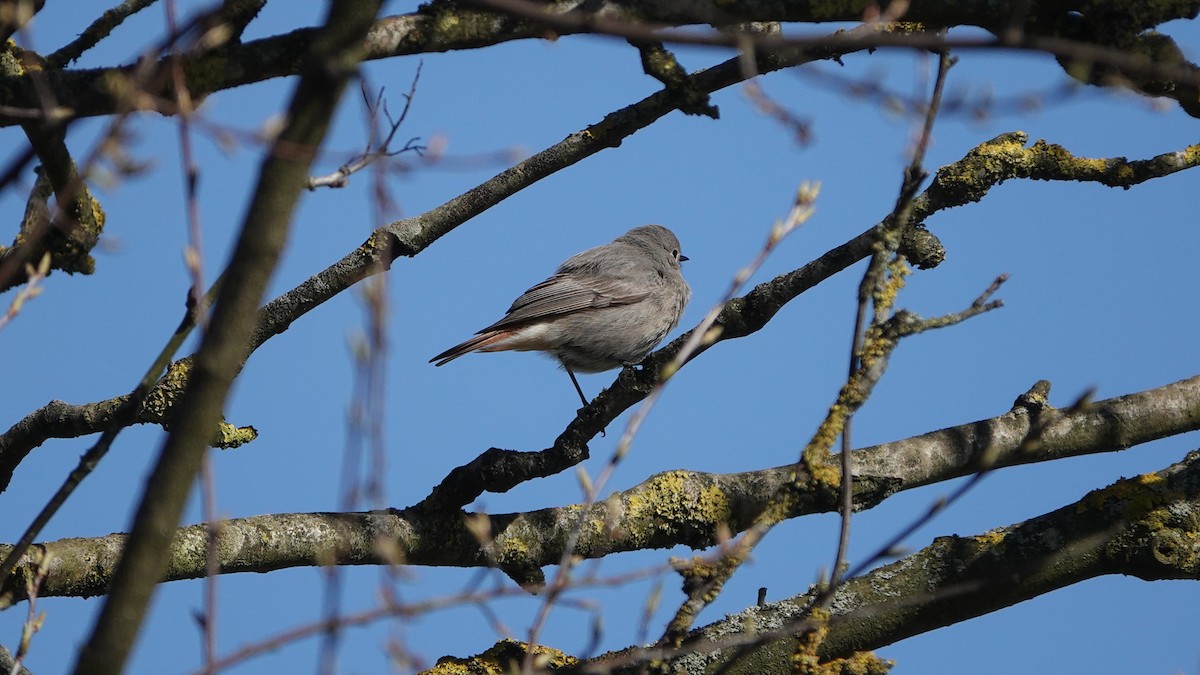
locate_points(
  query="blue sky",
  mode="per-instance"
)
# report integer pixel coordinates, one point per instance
(1102, 293)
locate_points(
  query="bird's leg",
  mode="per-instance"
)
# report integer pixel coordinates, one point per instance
(579, 390)
(577, 387)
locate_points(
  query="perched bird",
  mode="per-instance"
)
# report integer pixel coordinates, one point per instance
(603, 308)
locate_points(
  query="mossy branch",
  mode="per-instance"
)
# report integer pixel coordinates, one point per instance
(444, 26)
(71, 234)
(678, 507)
(1145, 526)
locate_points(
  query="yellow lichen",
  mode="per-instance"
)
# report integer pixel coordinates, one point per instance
(512, 550)
(1136, 497)
(1191, 154)
(505, 656)
(806, 661)
(898, 270)
(993, 541)
(700, 575)
(675, 501)
(825, 473)
(11, 63)
(230, 436)
(163, 395)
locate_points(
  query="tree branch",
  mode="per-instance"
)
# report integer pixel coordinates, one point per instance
(328, 66)
(14, 14)
(1143, 527)
(444, 26)
(70, 236)
(669, 509)
(96, 31)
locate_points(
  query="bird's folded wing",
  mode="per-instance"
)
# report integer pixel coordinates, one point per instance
(563, 294)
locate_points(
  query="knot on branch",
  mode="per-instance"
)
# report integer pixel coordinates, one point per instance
(661, 64)
(161, 399)
(922, 248)
(1036, 399)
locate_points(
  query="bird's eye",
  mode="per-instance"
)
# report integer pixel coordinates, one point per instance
(675, 253)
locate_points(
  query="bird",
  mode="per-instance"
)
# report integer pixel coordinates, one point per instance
(603, 308)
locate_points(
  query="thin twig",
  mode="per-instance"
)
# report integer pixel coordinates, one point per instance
(371, 153)
(33, 288)
(871, 286)
(99, 29)
(33, 620)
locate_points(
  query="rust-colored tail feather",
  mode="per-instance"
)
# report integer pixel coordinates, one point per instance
(474, 344)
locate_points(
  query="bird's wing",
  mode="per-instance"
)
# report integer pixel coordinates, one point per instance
(566, 293)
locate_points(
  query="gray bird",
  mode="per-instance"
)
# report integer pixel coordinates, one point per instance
(603, 308)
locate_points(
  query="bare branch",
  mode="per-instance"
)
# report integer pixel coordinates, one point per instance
(679, 507)
(371, 153)
(97, 31)
(330, 64)
(1147, 61)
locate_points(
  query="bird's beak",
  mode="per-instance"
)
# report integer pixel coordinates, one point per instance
(683, 258)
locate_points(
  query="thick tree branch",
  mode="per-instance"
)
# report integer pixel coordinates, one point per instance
(1145, 527)
(1106, 44)
(678, 507)
(69, 236)
(327, 67)
(58, 419)
(444, 25)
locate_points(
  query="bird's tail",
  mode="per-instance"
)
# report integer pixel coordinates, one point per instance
(474, 344)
